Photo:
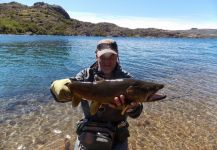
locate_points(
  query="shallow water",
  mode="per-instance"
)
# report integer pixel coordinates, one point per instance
(30, 119)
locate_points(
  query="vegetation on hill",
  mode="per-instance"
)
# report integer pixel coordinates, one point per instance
(42, 18)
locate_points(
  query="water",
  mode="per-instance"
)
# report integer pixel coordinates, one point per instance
(28, 64)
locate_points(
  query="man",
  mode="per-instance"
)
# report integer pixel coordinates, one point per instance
(107, 66)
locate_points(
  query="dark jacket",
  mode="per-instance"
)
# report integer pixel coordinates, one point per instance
(105, 113)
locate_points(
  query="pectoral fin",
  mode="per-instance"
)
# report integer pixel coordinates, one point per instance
(94, 106)
(124, 109)
(75, 101)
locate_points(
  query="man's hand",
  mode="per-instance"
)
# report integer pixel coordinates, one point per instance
(118, 101)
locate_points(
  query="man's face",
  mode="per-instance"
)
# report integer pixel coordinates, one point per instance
(107, 62)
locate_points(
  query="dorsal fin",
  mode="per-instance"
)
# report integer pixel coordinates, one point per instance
(94, 106)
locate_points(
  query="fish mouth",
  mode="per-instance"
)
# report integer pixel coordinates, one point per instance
(156, 97)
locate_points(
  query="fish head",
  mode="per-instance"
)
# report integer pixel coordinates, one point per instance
(142, 91)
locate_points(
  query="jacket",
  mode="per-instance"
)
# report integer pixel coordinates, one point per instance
(105, 113)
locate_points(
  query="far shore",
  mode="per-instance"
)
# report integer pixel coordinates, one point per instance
(189, 37)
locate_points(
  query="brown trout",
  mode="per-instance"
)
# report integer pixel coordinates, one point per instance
(104, 91)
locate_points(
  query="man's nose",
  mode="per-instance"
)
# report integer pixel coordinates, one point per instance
(107, 60)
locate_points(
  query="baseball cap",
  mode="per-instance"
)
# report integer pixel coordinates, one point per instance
(106, 46)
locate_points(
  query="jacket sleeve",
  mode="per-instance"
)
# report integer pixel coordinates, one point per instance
(82, 75)
(136, 111)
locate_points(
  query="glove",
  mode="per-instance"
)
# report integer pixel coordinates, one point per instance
(60, 91)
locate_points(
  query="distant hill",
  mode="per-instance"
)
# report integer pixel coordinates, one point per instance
(42, 18)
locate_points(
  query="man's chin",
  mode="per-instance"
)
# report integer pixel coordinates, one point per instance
(107, 70)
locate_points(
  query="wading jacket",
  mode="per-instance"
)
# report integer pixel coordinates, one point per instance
(105, 113)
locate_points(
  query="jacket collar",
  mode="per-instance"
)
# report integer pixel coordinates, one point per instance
(116, 71)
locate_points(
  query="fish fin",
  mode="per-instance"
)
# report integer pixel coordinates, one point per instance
(75, 101)
(94, 106)
(125, 109)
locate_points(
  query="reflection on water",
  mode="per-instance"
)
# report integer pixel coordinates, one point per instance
(30, 119)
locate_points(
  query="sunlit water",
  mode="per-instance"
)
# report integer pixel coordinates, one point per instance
(188, 67)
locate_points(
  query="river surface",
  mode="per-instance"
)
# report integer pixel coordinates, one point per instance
(187, 119)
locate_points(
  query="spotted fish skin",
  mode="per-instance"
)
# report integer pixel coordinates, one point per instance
(104, 91)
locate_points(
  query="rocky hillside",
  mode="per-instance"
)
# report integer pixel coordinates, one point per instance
(42, 18)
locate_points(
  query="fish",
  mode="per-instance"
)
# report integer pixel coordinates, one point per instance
(104, 91)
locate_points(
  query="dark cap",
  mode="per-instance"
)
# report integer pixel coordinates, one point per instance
(106, 46)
